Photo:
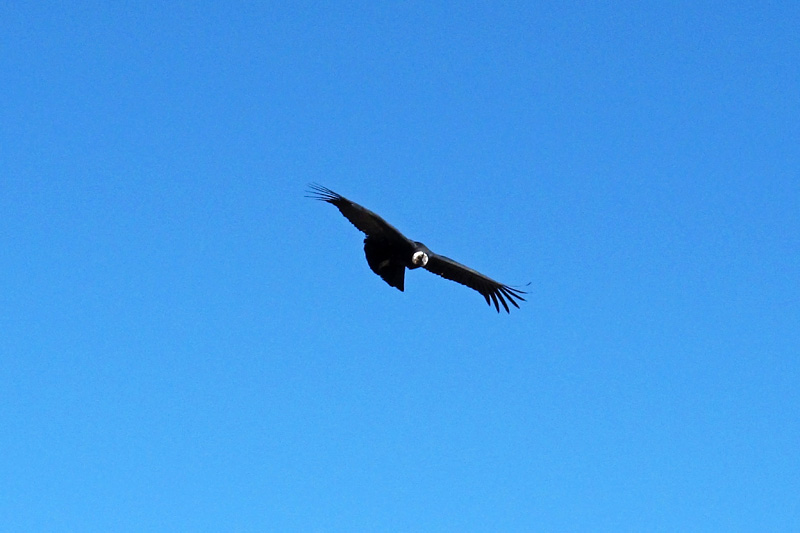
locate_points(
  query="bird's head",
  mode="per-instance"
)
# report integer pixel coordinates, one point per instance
(419, 258)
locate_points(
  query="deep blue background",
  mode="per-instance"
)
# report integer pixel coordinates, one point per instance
(186, 343)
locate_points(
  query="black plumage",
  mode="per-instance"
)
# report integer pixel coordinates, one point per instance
(389, 253)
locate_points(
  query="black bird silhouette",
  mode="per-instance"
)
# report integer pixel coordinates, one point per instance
(389, 253)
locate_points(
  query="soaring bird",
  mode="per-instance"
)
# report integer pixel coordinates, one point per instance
(389, 253)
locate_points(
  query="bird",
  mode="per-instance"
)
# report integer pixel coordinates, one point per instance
(389, 253)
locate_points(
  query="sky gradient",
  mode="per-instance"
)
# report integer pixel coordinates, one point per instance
(187, 343)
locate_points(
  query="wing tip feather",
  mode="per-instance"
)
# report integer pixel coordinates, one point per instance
(316, 191)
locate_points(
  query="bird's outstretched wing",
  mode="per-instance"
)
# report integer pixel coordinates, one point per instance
(361, 217)
(489, 288)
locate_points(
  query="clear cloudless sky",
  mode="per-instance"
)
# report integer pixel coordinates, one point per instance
(187, 343)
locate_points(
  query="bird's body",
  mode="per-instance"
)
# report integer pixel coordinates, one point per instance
(389, 253)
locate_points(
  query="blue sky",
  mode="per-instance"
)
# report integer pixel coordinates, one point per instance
(186, 343)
